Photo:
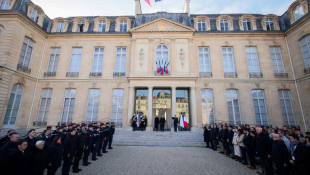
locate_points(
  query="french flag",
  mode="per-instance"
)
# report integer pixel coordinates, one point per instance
(183, 121)
(149, 2)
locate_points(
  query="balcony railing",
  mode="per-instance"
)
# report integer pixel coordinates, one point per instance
(95, 74)
(39, 123)
(161, 74)
(118, 74)
(205, 74)
(23, 68)
(72, 74)
(230, 75)
(280, 75)
(307, 70)
(49, 74)
(256, 75)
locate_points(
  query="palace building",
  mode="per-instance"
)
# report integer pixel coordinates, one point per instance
(233, 68)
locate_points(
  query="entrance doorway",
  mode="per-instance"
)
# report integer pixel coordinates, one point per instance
(162, 106)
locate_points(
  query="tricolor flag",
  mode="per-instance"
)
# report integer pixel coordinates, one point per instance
(183, 121)
(157, 67)
(138, 120)
(167, 68)
(148, 1)
(162, 69)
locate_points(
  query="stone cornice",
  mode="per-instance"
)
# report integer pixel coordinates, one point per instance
(298, 24)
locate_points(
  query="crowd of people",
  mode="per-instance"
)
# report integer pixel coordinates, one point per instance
(65, 147)
(270, 150)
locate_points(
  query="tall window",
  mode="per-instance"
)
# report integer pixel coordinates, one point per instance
(13, 105)
(92, 105)
(287, 108)
(224, 25)
(80, 26)
(60, 27)
(67, 110)
(26, 53)
(162, 55)
(207, 106)
(260, 107)
(120, 62)
(204, 59)
(101, 26)
(75, 60)
(4, 5)
(123, 26)
(298, 12)
(305, 47)
(98, 60)
(44, 105)
(251, 54)
(247, 24)
(277, 61)
(117, 107)
(233, 107)
(35, 15)
(53, 62)
(202, 26)
(269, 24)
(228, 59)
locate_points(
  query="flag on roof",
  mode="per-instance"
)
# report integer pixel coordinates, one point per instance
(148, 1)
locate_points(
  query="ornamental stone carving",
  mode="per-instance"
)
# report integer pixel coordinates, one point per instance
(182, 57)
(22, 81)
(141, 56)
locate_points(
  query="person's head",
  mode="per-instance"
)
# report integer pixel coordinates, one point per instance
(259, 130)
(215, 124)
(294, 138)
(256, 125)
(22, 144)
(40, 144)
(302, 139)
(57, 139)
(253, 133)
(90, 127)
(246, 131)
(60, 130)
(10, 131)
(112, 123)
(224, 127)
(83, 127)
(297, 131)
(284, 128)
(107, 124)
(204, 128)
(31, 133)
(247, 126)
(270, 131)
(276, 137)
(240, 131)
(162, 115)
(102, 125)
(307, 139)
(73, 132)
(57, 127)
(212, 126)
(97, 129)
(14, 137)
(308, 134)
(83, 131)
(47, 132)
(276, 128)
(239, 127)
(252, 129)
(281, 133)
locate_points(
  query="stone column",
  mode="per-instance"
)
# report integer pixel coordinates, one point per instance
(173, 102)
(194, 126)
(130, 106)
(149, 109)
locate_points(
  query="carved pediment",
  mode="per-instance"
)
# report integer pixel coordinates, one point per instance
(162, 25)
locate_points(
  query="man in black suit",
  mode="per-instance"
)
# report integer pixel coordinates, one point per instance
(175, 123)
(213, 138)
(264, 150)
(31, 140)
(299, 155)
(247, 141)
(162, 122)
(69, 151)
(229, 141)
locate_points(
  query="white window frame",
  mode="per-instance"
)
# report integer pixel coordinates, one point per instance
(78, 26)
(305, 43)
(93, 96)
(226, 53)
(277, 61)
(28, 43)
(260, 99)
(123, 26)
(161, 60)
(60, 27)
(47, 95)
(232, 98)
(117, 105)
(247, 24)
(224, 24)
(252, 56)
(53, 61)
(121, 54)
(35, 16)
(102, 26)
(206, 66)
(287, 101)
(70, 97)
(99, 54)
(270, 24)
(207, 97)
(75, 59)
(298, 12)
(202, 25)
(16, 92)
(5, 4)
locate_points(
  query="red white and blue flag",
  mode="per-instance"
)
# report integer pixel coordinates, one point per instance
(149, 2)
(183, 121)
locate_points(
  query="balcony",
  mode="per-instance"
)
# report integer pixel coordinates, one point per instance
(307, 70)
(72, 74)
(230, 75)
(23, 68)
(39, 123)
(49, 74)
(256, 75)
(280, 75)
(95, 74)
(118, 74)
(205, 74)
(161, 74)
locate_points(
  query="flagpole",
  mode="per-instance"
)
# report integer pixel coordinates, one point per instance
(162, 5)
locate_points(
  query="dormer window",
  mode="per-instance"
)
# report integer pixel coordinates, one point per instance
(224, 25)
(101, 26)
(123, 26)
(298, 12)
(35, 16)
(60, 27)
(4, 5)
(247, 24)
(181, 20)
(143, 20)
(80, 26)
(202, 25)
(270, 24)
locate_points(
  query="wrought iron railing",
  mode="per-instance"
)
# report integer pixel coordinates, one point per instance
(205, 74)
(256, 75)
(118, 74)
(49, 74)
(280, 75)
(95, 74)
(230, 74)
(39, 123)
(23, 68)
(72, 74)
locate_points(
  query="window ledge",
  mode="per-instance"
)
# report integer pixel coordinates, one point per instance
(307, 70)
(49, 74)
(280, 75)
(23, 68)
(230, 75)
(95, 74)
(161, 74)
(119, 74)
(205, 74)
(256, 75)
(72, 74)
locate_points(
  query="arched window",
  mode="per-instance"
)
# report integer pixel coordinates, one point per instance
(298, 12)
(162, 56)
(270, 24)
(181, 20)
(13, 106)
(202, 25)
(305, 47)
(35, 15)
(80, 26)
(143, 20)
(4, 5)
(247, 24)
(224, 25)
(101, 26)
(60, 27)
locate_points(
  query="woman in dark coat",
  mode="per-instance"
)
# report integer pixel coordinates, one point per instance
(38, 158)
(206, 135)
(54, 156)
(156, 122)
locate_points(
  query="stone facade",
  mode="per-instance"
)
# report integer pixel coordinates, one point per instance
(143, 33)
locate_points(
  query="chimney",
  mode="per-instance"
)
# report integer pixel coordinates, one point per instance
(186, 7)
(138, 7)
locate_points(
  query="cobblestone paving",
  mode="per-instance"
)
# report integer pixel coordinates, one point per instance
(141, 160)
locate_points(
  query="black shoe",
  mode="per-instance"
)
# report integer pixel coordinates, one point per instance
(221, 152)
(94, 159)
(79, 169)
(105, 151)
(76, 170)
(85, 164)
(99, 155)
(110, 148)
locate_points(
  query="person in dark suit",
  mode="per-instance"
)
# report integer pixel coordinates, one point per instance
(175, 123)
(38, 157)
(46, 138)
(206, 136)
(88, 144)
(31, 140)
(247, 141)
(280, 155)
(224, 136)
(156, 122)
(69, 151)
(96, 140)
(264, 150)
(54, 156)
(102, 138)
(162, 122)
(134, 122)
(229, 141)
(299, 155)
(213, 138)
(4, 140)
(107, 136)
(112, 132)
(80, 143)
(8, 149)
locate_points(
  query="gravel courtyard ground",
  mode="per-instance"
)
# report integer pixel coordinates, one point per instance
(142, 160)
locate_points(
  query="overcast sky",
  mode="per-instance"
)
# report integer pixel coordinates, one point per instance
(65, 8)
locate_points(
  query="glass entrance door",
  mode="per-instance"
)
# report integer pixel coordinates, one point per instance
(182, 105)
(162, 106)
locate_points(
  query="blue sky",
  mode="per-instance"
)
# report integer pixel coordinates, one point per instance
(65, 8)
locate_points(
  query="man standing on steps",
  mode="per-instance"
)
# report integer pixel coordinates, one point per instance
(112, 131)
(156, 122)
(175, 123)
(162, 122)
(134, 121)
